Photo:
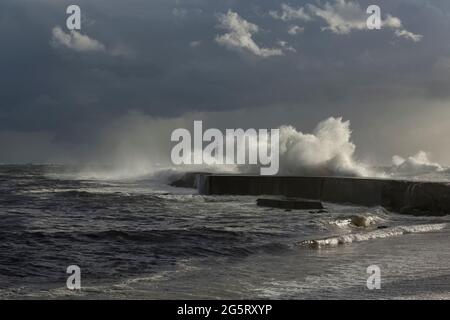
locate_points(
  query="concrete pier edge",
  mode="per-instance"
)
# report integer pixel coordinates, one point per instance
(402, 196)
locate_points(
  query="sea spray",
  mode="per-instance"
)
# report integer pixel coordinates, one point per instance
(326, 151)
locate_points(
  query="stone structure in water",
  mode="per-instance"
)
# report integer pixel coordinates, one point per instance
(403, 196)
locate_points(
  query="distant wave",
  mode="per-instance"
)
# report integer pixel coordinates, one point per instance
(376, 234)
(415, 165)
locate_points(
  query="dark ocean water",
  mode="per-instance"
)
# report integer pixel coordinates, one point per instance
(139, 238)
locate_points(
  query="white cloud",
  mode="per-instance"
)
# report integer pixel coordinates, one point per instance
(285, 46)
(289, 13)
(293, 30)
(239, 35)
(75, 41)
(195, 43)
(341, 17)
(408, 35)
(392, 22)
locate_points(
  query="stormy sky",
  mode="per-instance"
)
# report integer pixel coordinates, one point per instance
(140, 67)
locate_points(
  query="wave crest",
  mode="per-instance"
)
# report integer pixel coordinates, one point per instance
(376, 234)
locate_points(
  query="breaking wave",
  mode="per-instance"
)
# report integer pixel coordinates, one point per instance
(417, 164)
(140, 146)
(376, 234)
(358, 221)
(326, 151)
(329, 151)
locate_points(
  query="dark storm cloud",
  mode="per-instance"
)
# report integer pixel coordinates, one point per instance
(161, 58)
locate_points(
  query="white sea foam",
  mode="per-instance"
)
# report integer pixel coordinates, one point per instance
(414, 165)
(365, 220)
(328, 150)
(375, 234)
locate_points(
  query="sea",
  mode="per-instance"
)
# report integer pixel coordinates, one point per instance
(140, 238)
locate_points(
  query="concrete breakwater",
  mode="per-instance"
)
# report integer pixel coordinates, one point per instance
(403, 196)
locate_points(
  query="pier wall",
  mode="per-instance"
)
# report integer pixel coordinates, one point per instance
(408, 197)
